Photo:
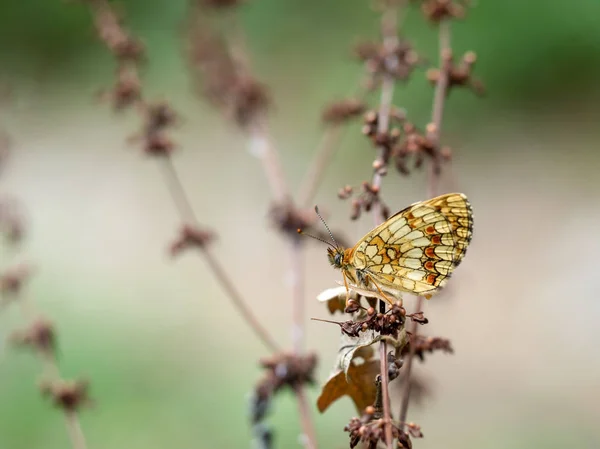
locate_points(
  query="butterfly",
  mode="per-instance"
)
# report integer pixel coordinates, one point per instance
(414, 251)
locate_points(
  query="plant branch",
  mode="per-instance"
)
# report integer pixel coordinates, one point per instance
(52, 373)
(321, 160)
(432, 182)
(389, 25)
(262, 147)
(308, 428)
(186, 212)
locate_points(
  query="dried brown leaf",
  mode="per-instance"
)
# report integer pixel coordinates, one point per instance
(361, 388)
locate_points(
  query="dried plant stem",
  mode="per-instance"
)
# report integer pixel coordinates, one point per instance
(408, 367)
(387, 413)
(321, 160)
(186, 212)
(74, 429)
(389, 23)
(262, 147)
(297, 281)
(306, 422)
(51, 371)
(432, 183)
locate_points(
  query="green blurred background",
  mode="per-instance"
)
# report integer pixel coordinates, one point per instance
(170, 361)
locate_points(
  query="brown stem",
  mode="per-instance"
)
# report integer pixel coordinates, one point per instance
(408, 366)
(323, 156)
(51, 371)
(321, 160)
(387, 413)
(74, 429)
(432, 183)
(186, 212)
(389, 24)
(262, 147)
(297, 274)
(306, 422)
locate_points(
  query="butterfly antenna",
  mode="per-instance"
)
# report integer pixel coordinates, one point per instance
(300, 231)
(326, 227)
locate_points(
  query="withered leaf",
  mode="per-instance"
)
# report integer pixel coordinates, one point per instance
(361, 346)
(335, 298)
(361, 388)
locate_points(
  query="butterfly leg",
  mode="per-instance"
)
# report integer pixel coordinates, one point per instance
(383, 295)
(347, 289)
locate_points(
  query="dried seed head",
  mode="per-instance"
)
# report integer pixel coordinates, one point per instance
(191, 237)
(40, 335)
(438, 10)
(342, 111)
(68, 395)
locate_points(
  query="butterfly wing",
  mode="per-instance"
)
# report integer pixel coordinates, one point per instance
(417, 249)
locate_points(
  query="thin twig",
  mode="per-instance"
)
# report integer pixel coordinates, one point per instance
(262, 147)
(186, 212)
(306, 422)
(389, 24)
(323, 156)
(74, 429)
(432, 183)
(321, 160)
(408, 366)
(387, 413)
(52, 372)
(298, 282)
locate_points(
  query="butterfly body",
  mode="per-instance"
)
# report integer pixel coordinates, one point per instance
(414, 251)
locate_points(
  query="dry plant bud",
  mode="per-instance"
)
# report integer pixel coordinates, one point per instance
(219, 4)
(40, 335)
(369, 196)
(388, 323)
(12, 222)
(417, 145)
(282, 370)
(438, 10)
(371, 431)
(111, 31)
(249, 100)
(288, 219)
(12, 280)
(191, 237)
(158, 118)
(418, 317)
(428, 344)
(67, 395)
(127, 90)
(343, 111)
(459, 75)
(345, 192)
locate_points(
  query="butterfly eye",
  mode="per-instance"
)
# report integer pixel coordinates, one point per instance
(338, 259)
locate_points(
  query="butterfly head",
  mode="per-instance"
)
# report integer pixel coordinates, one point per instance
(336, 256)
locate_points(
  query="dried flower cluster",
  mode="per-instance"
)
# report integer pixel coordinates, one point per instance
(283, 370)
(459, 75)
(342, 111)
(388, 323)
(437, 10)
(224, 79)
(128, 51)
(70, 395)
(191, 237)
(39, 335)
(397, 61)
(370, 431)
